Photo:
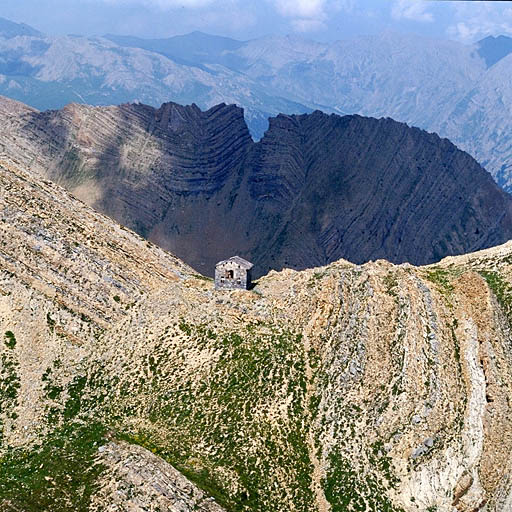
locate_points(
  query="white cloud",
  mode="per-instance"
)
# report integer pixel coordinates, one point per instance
(476, 29)
(310, 15)
(415, 10)
(165, 4)
(474, 22)
(305, 9)
(302, 15)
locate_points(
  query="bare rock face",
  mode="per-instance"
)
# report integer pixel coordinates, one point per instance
(315, 189)
(344, 387)
(134, 479)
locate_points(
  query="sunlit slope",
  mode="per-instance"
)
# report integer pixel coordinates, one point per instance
(373, 387)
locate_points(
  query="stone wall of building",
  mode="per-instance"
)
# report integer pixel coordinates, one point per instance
(229, 275)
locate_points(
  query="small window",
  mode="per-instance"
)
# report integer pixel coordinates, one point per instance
(229, 274)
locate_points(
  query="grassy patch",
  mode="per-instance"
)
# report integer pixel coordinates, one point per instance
(391, 283)
(202, 278)
(441, 278)
(501, 289)
(9, 387)
(348, 489)
(217, 422)
(59, 475)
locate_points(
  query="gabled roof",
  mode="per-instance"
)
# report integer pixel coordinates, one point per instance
(247, 265)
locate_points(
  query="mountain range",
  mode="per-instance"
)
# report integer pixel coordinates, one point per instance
(128, 383)
(461, 92)
(314, 189)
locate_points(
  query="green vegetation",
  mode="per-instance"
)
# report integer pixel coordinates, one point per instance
(316, 277)
(50, 322)
(217, 422)
(59, 475)
(202, 278)
(441, 278)
(319, 275)
(186, 328)
(379, 459)
(10, 339)
(456, 344)
(501, 289)
(349, 489)
(74, 401)
(214, 424)
(9, 384)
(391, 283)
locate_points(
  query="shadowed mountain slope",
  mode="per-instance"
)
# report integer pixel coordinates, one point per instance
(195, 48)
(10, 29)
(315, 189)
(493, 49)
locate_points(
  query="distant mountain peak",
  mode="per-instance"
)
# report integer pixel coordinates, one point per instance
(9, 29)
(494, 48)
(193, 48)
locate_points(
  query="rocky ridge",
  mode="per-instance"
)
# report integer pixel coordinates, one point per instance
(444, 89)
(345, 387)
(49, 72)
(135, 479)
(315, 189)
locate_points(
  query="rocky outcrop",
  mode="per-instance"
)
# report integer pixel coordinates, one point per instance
(135, 479)
(315, 189)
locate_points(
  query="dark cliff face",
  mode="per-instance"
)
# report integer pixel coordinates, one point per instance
(315, 189)
(493, 49)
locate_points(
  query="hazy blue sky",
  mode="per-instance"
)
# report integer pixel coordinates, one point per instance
(245, 19)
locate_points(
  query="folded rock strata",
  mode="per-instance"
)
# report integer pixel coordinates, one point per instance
(315, 189)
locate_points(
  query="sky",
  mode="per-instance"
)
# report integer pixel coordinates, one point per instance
(322, 20)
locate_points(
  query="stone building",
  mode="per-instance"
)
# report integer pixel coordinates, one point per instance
(233, 274)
